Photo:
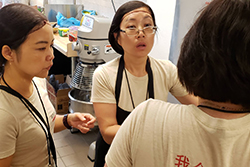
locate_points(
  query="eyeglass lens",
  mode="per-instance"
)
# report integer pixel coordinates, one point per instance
(145, 30)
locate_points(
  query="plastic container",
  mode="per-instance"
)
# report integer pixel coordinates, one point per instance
(73, 33)
(63, 32)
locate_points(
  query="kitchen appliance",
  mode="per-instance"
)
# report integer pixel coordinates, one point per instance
(93, 49)
(91, 152)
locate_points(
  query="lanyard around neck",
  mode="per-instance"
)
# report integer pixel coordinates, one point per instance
(121, 68)
(34, 111)
(224, 110)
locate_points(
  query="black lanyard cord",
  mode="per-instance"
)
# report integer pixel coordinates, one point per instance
(131, 97)
(48, 127)
(30, 107)
(224, 110)
(150, 87)
(46, 134)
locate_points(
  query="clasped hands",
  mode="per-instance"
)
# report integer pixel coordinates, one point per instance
(82, 121)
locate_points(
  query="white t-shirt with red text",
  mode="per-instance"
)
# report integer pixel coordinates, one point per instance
(161, 134)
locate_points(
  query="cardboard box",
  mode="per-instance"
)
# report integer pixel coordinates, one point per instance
(60, 100)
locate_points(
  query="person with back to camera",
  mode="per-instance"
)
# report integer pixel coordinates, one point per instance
(213, 65)
(27, 117)
(121, 84)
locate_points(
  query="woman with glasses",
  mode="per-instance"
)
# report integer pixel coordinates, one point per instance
(216, 132)
(123, 83)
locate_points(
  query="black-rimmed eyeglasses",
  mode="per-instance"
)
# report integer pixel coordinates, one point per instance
(135, 31)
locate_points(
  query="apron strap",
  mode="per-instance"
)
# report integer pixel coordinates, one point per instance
(120, 76)
(119, 79)
(150, 80)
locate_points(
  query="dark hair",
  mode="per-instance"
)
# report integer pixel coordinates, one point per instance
(214, 61)
(16, 22)
(115, 25)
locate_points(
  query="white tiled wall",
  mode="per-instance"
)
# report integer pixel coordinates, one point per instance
(102, 7)
(60, 1)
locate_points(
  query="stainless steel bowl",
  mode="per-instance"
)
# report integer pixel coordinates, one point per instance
(77, 102)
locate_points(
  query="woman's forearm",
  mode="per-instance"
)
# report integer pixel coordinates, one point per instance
(59, 124)
(109, 133)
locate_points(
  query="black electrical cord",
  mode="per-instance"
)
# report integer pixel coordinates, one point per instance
(113, 5)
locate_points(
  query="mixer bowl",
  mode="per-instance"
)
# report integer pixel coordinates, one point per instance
(77, 103)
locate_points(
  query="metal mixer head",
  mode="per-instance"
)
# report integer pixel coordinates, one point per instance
(82, 77)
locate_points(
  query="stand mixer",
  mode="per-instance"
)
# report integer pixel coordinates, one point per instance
(93, 49)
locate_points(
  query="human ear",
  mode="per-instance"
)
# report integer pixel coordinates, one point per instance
(117, 38)
(7, 53)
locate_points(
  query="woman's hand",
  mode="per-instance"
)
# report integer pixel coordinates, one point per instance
(82, 121)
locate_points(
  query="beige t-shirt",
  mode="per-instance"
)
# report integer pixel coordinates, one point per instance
(161, 134)
(21, 134)
(165, 80)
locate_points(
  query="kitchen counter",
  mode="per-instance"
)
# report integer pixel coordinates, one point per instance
(63, 45)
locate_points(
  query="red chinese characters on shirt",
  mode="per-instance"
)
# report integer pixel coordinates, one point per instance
(183, 161)
(199, 165)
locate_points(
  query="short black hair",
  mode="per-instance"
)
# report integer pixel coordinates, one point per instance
(115, 25)
(16, 22)
(214, 61)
